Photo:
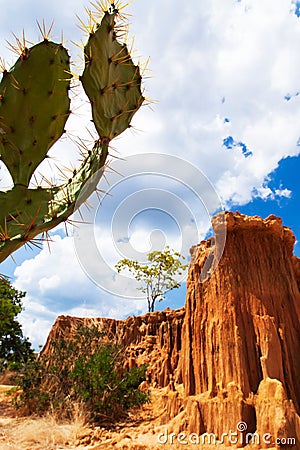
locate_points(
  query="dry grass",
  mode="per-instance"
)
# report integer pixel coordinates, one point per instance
(140, 432)
(35, 433)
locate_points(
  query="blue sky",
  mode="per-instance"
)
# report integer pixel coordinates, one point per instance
(225, 130)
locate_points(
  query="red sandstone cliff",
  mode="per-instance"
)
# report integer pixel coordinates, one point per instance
(235, 347)
(153, 338)
(240, 355)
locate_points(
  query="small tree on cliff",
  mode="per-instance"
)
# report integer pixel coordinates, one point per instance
(157, 276)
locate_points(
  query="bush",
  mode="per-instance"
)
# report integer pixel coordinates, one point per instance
(86, 370)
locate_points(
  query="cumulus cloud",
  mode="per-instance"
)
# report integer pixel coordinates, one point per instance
(224, 69)
(56, 284)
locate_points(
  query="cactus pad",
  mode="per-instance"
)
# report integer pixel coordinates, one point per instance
(34, 107)
(111, 80)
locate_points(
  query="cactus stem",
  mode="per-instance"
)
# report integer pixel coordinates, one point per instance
(128, 84)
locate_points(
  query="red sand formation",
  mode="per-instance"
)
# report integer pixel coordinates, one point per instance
(234, 350)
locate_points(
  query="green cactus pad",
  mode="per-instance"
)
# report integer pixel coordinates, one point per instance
(111, 80)
(34, 107)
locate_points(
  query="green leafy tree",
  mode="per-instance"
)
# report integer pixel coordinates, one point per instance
(157, 277)
(15, 349)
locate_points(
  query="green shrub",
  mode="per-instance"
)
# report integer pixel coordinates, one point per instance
(104, 386)
(87, 371)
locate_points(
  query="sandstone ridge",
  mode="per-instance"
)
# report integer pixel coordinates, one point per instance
(231, 355)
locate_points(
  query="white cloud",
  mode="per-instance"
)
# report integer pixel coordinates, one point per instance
(56, 284)
(245, 53)
(283, 193)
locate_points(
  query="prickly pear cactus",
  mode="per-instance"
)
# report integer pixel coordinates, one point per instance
(111, 80)
(34, 108)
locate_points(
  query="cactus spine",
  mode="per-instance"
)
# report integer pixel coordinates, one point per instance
(34, 108)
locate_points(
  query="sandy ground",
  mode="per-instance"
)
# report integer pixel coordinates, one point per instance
(139, 432)
(29, 433)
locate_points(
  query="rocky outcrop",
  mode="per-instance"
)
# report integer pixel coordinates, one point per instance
(154, 339)
(230, 359)
(241, 335)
